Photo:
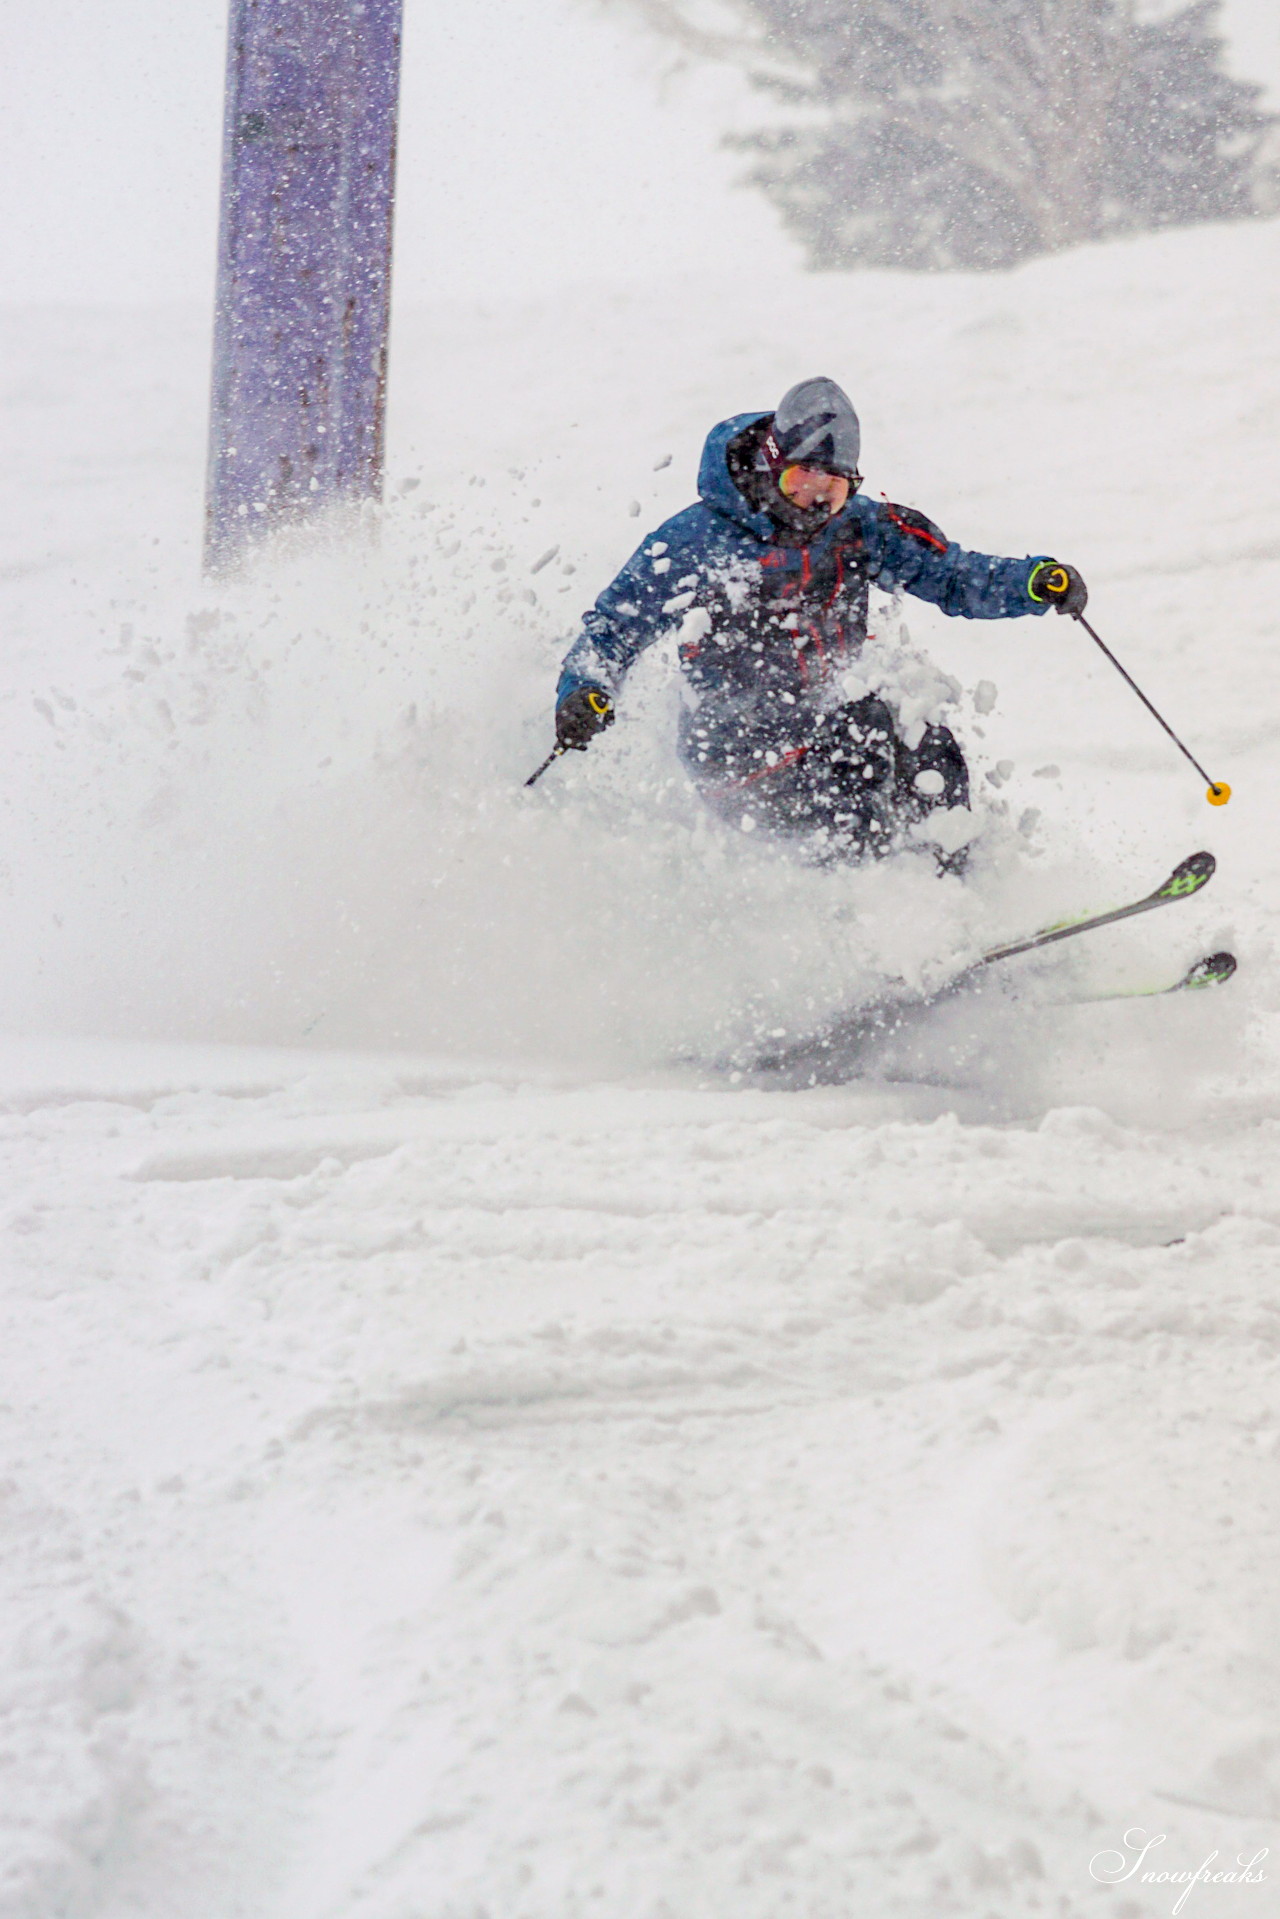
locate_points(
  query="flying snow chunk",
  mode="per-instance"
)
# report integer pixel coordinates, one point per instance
(694, 627)
(949, 828)
(984, 696)
(664, 461)
(545, 560)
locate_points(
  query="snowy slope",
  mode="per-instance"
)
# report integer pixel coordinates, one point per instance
(458, 1455)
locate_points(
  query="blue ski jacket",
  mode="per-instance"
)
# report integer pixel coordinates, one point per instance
(762, 626)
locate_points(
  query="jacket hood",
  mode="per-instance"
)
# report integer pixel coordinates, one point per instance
(717, 490)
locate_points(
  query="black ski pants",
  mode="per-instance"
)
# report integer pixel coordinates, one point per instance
(849, 778)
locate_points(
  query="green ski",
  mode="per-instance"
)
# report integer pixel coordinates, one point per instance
(1193, 875)
(1214, 970)
(832, 1053)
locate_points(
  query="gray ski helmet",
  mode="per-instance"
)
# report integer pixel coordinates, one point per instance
(815, 422)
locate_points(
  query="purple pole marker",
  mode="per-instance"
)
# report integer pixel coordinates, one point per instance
(304, 265)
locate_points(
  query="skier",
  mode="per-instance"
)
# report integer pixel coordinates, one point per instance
(766, 580)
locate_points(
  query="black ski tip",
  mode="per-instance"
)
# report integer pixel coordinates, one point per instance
(1213, 971)
(1189, 877)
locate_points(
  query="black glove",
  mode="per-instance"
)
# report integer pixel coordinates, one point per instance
(1060, 585)
(580, 716)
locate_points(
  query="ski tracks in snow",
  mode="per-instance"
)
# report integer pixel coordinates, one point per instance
(422, 1498)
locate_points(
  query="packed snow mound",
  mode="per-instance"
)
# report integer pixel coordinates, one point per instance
(547, 1500)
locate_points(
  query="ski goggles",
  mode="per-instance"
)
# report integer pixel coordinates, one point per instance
(798, 478)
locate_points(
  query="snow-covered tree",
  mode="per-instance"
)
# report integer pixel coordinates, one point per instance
(972, 133)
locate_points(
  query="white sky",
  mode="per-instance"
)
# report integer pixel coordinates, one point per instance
(541, 146)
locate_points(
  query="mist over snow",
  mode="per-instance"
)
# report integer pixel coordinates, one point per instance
(462, 1452)
(291, 810)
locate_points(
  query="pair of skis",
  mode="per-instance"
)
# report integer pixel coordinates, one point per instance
(1187, 879)
(834, 1053)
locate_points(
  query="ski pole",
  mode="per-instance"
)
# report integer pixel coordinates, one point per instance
(554, 754)
(1218, 792)
(589, 711)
